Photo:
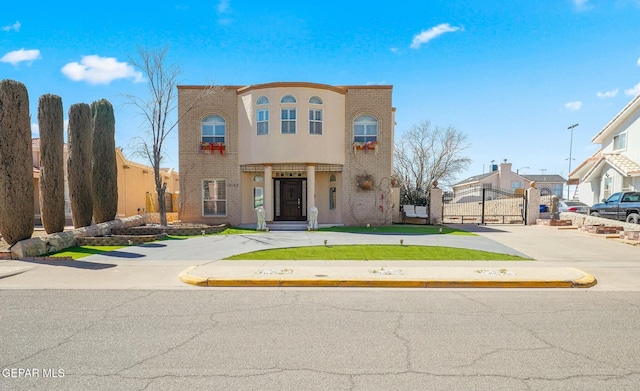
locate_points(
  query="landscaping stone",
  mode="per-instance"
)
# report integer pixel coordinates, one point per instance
(555, 222)
(39, 246)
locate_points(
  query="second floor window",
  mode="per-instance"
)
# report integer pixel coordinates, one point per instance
(263, 121)
(365, 129)
(620, 141)
(315, 121)
(213, 129)
(288, 121)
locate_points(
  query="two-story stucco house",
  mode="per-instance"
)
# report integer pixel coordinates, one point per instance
(616, 165)
(288, 147)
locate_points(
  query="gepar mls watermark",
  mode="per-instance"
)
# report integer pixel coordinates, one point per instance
(31, 373)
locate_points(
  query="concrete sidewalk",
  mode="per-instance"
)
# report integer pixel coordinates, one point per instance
(560, 258)
(382, 274)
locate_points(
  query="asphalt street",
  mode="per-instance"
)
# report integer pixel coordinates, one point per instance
(310, 339)
(124, 321)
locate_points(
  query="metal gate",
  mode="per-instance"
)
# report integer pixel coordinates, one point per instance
(484, 206)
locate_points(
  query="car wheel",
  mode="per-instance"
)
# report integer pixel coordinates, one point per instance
(595, 214)
(633, 218)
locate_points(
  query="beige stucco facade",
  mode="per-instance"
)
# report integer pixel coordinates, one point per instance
(136, 183)
(286, 165)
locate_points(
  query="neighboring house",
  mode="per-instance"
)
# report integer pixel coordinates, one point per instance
(551, 184)
(501, 177)
(288, 147)
(135, 185)
(616, 165)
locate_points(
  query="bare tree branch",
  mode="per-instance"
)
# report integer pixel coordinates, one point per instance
(424, 155)
(157, 109)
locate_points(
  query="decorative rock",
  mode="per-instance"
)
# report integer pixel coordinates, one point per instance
(35, 247)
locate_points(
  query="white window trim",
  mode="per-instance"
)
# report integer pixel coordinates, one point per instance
(626, 141)
(316, 103)
(223, 122)
(259, 122)
(316, 121)
(295, 100)
(226, 204)
(295, 121)
(368, 123)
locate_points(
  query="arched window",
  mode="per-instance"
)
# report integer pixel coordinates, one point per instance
(288, 99)
(332, 178)
(213, 129)
(316, 100)
(263, 100)
(365, 129)
(258, 178)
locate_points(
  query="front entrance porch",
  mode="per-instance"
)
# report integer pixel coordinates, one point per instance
(290, 201)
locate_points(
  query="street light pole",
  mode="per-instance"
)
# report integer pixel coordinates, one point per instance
(570, 150)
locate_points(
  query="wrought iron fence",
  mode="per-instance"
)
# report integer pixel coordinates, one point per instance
(484, 206)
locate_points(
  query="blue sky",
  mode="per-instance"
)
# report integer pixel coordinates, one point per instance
(511, 75)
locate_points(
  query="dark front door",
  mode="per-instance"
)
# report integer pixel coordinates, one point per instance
(291, 202)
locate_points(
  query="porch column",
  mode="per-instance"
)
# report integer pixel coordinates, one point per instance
(268, 193)
(311, 187)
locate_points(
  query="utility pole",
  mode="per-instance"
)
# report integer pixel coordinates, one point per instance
(570, 150)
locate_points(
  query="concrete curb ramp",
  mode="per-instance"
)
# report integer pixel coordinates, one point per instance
(370, 276)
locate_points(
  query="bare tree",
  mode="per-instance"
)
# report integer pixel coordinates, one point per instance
(157, 108)
(51, 122)
(424, 155)
(16, 163)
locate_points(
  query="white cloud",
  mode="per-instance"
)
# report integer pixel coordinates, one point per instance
(638, 62)
(633, 91)
(224, 6)
(100, 70)
(573, 106)
(35, 130)
(582, 5)
(17, 56)
(607, 94)
(427, 35)
(224, 9)
(15, 27)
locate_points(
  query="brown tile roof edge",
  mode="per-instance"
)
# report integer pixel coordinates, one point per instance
(338, 89)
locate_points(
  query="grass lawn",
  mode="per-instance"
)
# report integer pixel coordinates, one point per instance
(404, 229)
(376, 252)
(78, 252)
(228, 231)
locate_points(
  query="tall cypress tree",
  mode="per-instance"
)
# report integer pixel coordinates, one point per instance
(104, 166)
(51, 123)
(16, 163)
(80, 139)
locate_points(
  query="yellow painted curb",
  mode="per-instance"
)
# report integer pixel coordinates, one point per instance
(586, 281)
(185, 277)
